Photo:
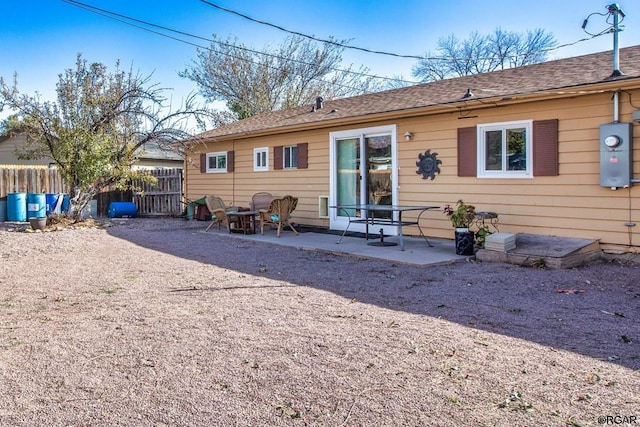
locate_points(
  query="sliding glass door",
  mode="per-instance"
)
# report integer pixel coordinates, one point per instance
(347, 189)
(363, 172)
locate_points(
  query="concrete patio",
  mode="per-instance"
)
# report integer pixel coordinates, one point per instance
(416, 251)
(531, 250)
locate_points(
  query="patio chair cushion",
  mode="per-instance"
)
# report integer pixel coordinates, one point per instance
(218, 211)
(214, 216)
(278, 214)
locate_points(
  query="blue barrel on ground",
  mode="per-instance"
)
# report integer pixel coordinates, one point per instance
(17, 207)
(122, 210)
(54, 204)
(65, 203)
(36, 205)
(3, 210)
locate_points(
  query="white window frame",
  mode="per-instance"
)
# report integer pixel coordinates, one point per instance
(290, 157)
(261, 153)
(337, 222)
(481, 150)
(216, 155)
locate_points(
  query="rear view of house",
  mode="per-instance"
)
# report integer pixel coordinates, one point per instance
(550, 147)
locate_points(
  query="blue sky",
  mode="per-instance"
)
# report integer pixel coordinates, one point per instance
(41, 38)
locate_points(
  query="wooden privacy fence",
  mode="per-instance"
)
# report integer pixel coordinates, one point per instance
(162, 198)
(30, 179)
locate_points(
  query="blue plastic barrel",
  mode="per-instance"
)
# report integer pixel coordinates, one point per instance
(3, 210)
(36, 205)
(65, 203)
(122, 209)
(17, 207)
(54, 203)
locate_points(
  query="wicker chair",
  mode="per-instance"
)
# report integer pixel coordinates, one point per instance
(279, 214)
(218, 211)
(260, 201)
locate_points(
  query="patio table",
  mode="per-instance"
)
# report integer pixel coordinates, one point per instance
(245, 221)
(370, 219)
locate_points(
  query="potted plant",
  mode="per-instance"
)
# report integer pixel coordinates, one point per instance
(461, 217)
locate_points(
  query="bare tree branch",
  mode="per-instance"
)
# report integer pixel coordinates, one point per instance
(483, 53)
(293, 74)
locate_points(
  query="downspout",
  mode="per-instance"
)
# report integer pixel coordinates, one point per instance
(233, 174)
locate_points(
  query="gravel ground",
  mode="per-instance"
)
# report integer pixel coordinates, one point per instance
(155, 323)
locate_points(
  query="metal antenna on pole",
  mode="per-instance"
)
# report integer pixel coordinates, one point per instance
(615, 10)
(617, 13)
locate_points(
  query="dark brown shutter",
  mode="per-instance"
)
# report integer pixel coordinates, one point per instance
(467, 152)
(545, 148)
(203, 163)
(303, 155)
(230, 161)
(278, 157)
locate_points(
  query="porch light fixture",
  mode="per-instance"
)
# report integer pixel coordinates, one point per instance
(407, 136)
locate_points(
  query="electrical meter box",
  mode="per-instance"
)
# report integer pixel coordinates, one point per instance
(616, 152)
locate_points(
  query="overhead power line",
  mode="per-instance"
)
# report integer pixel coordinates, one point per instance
(144, 25)
(328, 41)
(128, 20)
(379, 52)
(114, 15)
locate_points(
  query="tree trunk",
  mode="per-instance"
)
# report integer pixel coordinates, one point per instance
(79, 200)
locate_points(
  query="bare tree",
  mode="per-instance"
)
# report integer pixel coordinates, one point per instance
(97, 127)
(252, 82)
(484, 53)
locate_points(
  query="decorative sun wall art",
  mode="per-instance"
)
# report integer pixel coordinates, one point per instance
(428, 165)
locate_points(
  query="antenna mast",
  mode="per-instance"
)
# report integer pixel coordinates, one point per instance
(615, 10)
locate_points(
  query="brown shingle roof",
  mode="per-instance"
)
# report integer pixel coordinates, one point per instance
(547, 76)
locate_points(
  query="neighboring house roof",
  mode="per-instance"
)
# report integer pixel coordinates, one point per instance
(149, 154)
(151, 150)
(9, 148)
(558, 75)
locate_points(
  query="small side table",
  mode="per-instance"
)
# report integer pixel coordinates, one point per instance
(245, 221)
(483, 217)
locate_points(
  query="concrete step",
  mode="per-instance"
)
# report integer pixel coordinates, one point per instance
(548, 251)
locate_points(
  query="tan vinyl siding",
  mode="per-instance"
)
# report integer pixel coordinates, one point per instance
(237, 188)
(571, 204)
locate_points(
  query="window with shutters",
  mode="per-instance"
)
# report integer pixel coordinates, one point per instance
(216, 162)
(290, 157)
(504, 150)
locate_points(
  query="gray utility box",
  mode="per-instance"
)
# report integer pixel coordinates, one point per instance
(616, 155)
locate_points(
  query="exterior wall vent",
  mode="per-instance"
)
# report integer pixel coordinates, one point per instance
(323, 206)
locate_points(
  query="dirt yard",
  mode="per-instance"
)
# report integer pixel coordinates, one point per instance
(155, 323)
